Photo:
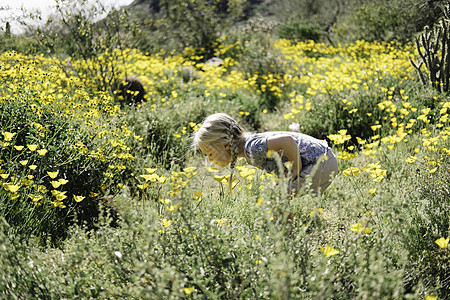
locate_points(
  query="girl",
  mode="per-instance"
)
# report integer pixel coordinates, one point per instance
(224, 140)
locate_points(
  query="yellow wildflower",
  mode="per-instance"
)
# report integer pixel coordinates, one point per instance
(329, 251)
(189, 290)
(352, 171)
(150, 170)
(211, 170)
(11, 187)
(42, 152)
(53, 175)
(411, 159)
(442, 242)
(78, 198)
(55, 184)
(358, 228)
(8, 135)
(32, 147)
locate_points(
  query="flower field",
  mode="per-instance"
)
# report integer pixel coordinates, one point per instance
(104, 200)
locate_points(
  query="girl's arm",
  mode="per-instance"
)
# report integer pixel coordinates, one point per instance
(289, 148)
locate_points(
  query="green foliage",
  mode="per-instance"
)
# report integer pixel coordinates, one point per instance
(337, 113)
(195, 24)
(260, 62)
(74, 32)
(430, 219)
(35, 208)
(299, 31)
(433, 45)
(385, 20)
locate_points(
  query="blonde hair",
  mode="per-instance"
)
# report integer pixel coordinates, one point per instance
(220, 127)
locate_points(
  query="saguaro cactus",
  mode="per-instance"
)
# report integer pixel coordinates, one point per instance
(433, 45)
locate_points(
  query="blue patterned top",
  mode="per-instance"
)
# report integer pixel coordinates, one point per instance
(255, 148)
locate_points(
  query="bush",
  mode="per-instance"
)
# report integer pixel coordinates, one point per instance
(385, 20)
(299, 31)
(49, 175)
(430, 219)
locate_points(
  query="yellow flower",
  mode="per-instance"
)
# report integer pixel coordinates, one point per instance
(358, 228)
(63, 181)
(211, 170)
(142, 186)
(11, 187)
(35, 198)
(92, 194)
(352, 171)
(42, 151)
(150, 177)
(58, 193)
(329, 251)
(375, 127)
(425, 111)
(32, 167)
(189, 169)
(14, 196)
(8, 135)
(431, 297)
(166, 223)
(165, 201)
(32, 147)
(78, 198)
(221, 222)
(442, 242)
(171, 208)
(4, 175)
(228, 180)
(150, 170)
(53, 175)
(55, 184)
(411, 159)
(372, 191)
(23, 162)
(18, 148)
(260, 201)
(432, 170)
(189, 290)
(198, 194)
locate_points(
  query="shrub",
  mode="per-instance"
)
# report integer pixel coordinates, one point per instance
(385, 20)
(48, 173)
(429, 267)
(299, 31)
(130, 91)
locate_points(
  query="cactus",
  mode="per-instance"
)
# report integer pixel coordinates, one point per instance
(433, 45)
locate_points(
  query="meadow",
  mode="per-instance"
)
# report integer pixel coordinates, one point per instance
(105, 200)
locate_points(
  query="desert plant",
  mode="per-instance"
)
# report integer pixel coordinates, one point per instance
(433, 45)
